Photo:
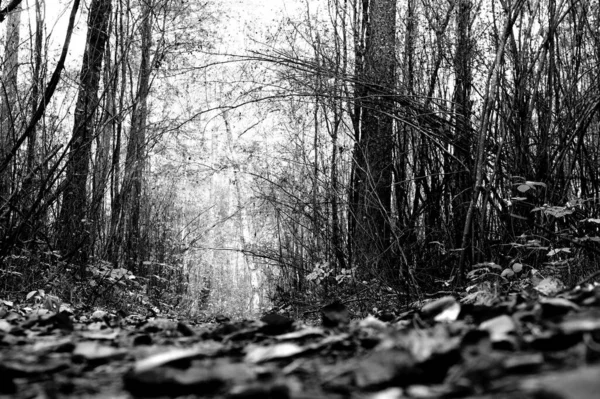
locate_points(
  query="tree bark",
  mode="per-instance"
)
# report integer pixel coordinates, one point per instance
(37, 79)
(122, 45)
(131, 193)
(373, 155)
(102, 165)
(463, 165)
(73, 238)
(9, 107)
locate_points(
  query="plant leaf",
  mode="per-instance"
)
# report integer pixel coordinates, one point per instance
(507, 273)
(559, 250)
(517, 267)
(535, 183)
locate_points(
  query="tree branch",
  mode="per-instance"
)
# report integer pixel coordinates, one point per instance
(11, 6)
(49, 90)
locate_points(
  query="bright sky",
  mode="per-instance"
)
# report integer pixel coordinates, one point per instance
(247, 18)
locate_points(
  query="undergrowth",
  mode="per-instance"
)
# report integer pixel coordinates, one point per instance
(560, 251)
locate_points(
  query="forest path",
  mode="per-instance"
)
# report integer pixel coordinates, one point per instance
(524, 346)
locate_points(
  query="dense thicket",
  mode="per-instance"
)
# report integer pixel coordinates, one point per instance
(493, 152)
(373, 149)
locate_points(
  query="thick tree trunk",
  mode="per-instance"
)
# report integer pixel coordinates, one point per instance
(373, 156)
(73, 237)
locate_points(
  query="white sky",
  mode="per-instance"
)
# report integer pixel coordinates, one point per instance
(247, 18)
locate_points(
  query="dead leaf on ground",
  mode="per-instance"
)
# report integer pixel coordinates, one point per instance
(258, 354)
(95, 352)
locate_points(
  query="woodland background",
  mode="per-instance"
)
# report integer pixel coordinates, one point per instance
(231, 156)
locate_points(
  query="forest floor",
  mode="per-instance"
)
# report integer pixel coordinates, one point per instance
(525, 345)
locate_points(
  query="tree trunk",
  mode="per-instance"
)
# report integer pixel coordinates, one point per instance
(463, 165)
(32, 180)
(115, 233)
(245, 238)
(102, 158)
(8, 109)
(373, 156)
(135, 160)
(73, 237)
(488, 105)
(37, 80)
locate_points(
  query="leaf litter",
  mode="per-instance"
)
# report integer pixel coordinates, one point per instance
(523, 345)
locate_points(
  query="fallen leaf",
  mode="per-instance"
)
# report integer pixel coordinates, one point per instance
(445, 309)
(101, 335)
(582, 383)
(5, 326)
(23, 369)
(174, 355)
(95, 352)
(304, 333)
(499, 327)
(260, 390)
(258, 354)
(99, 315)
(449, 314)
(372, 322)
(549, 286)
(201, 377)
(384, 368)
(389, 393)
(588, 321)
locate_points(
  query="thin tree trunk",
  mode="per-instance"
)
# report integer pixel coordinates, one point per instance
(103, 141)
(131, 194)
(489, 102)
(48, 93)
(37, 80)
(39, 111)
(116, 232)
(32, 181)
(463, 180)
(245, 237)
(9, 107)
